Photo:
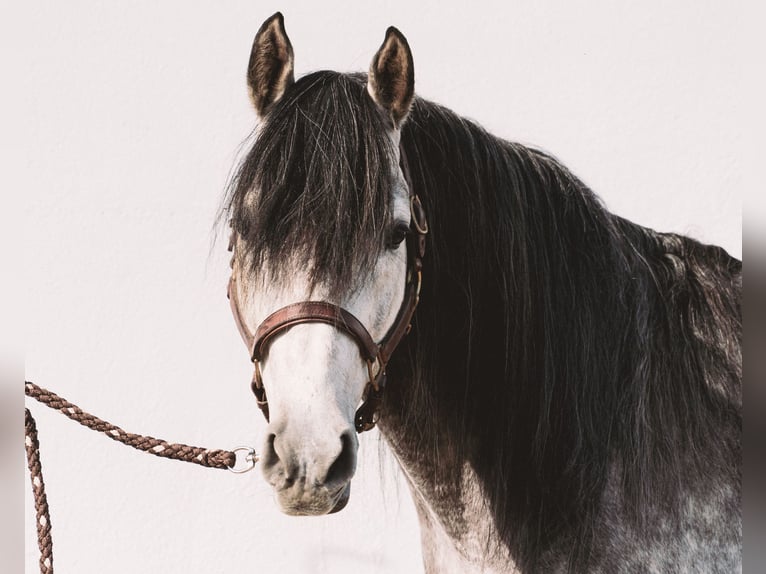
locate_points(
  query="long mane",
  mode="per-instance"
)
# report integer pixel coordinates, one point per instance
(555, 338)
(554, 343)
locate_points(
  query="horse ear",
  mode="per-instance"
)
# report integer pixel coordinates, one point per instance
(391, 81)
(270, 71)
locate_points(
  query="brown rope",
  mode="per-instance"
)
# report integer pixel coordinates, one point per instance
(222, 459)
(43, 519)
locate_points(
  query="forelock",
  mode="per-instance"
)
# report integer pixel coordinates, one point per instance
(316, 187)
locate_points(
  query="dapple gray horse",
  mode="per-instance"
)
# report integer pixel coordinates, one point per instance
(568, 397)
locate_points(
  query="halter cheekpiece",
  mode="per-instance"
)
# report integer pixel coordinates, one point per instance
(375, 355)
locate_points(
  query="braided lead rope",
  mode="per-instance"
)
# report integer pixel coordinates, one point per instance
(222, 459)
(43, 519)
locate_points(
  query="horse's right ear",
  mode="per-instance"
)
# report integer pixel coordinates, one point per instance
(391, 81)
(270, 71)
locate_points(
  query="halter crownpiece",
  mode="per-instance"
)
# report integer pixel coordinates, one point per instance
(376, 355)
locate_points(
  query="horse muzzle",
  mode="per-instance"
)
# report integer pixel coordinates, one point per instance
(310, 477)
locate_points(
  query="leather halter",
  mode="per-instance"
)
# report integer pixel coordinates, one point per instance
(376, 355)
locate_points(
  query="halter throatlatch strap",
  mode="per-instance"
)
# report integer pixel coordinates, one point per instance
(376, 355)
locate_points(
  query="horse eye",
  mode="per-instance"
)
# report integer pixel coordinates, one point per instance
(398, 234)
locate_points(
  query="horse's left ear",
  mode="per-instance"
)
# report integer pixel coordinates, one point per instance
(391, 81)
(270, 71)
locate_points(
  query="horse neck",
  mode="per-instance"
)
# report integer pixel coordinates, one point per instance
(544, 353)
(449, 415)
(536, 302)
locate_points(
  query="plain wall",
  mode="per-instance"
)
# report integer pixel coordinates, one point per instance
(130, 118)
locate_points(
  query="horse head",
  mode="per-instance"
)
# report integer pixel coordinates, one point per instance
(322, 284)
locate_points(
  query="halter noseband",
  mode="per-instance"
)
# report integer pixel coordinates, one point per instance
(376, 355)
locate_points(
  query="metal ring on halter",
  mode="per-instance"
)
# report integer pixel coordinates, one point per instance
(257, 377)
(250, 459)
(418, 215)
(371, 376)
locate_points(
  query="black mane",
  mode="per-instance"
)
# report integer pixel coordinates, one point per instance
(560, 338)
(553, 341)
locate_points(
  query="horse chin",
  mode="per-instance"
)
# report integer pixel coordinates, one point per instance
(317, 505)
(343, 500)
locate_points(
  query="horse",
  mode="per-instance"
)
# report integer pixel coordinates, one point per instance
(561, 387)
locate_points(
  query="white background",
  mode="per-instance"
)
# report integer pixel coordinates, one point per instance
(128, 123)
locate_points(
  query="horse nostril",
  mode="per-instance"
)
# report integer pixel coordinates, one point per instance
(270, 457)
(343, 467)
(276, 465)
